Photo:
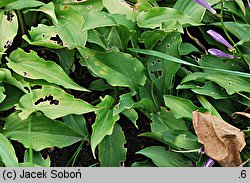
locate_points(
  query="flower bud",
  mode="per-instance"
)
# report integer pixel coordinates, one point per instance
(217, 37)
(205, 5)
(219, 53)
(210, 162)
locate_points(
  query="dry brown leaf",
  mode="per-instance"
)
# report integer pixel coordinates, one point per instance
(234, 115)
(222, 141)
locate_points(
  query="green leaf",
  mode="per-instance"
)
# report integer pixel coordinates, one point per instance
(230, 108)
(211, 89)
(53, 102)
(70, 27)
(119, 69)
(6, 77)
(45, 132)
(176, 139)
(211, 61)
(232, 84)
(104, 122)
(246, 151)
(152, 37)
(38, 160)
(182, 141)
(96, 19)
(207, 105)
(245, 102)
(48, 9)
(156, 136)
(2, 95)
(239, 30)
(66, 59)
(21, 4)
(120, 7)
(126, 106)
(172, 25)
(164, 120)
(181, 108)
(186, 48)
(247, 135)
(163, 158)
(96, 38)
(13, 95)
(8, 29)
(232, 7)
(158, 15)
(126, 102)
(100, 85)
(31, 19)
(241, 5)
(145, 105)
(18, 5)
(77, 123)
(127, 30)
(83, 7)
(193, 9)
(5, 2)
(132, 115)
(111, 151)
(170, 137)
(30, 65)
(7, 152)
(146, 163)
(121, 20)
(44, 35)
(244, 42)
(118, 37)
(189, 85)
(177, 60)
(245, 156)
(162, 73)
(196, 76)
(145, 5)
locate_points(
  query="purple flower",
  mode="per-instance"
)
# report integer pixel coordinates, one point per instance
(210, 162)
(205, 5)
(217, 37)
(220, 53)
(202, 150)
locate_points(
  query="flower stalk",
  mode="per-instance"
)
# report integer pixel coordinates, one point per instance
(224, 27)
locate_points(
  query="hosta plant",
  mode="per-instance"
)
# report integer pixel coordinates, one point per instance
(139, 83)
